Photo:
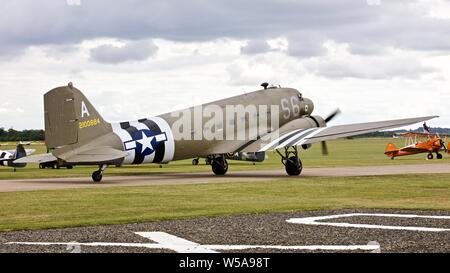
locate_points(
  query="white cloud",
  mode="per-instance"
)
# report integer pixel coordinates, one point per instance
(340, 63)
(131, 51)
(383, 61)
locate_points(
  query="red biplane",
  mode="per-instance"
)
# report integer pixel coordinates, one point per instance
(432, 143)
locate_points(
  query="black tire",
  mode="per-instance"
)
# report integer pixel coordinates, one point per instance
(97, 176)
(439, 156)
(195, 161)
(219, 166)
(294, 166)
(70, 167)
(41, 166)
(430, 156)
(53, 166)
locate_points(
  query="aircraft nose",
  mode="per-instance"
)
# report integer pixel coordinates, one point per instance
(306, 106)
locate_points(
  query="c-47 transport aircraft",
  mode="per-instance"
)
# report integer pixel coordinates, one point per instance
(273, 118)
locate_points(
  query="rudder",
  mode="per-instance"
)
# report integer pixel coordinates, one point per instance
(70, 118)
(390, 148)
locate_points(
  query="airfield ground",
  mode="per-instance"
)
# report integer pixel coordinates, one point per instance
(356, 152)
(232, 206)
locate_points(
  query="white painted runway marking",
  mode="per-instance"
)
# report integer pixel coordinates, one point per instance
(314, 221)
(167, 241)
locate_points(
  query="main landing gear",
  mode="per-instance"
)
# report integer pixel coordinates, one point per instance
(219, 165)
(195, 161)
(291, 161)
(438, 156)
(98, 175)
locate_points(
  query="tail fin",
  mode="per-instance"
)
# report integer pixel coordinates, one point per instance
(20, 152)
(70, 118)
(390, 148)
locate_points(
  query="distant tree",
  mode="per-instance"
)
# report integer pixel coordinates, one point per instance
(25, 135)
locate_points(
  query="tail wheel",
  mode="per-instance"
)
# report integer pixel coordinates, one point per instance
(97, 176)
(430, 156)
(195, 161)
(439, 156)
(219, 165)
(293, 166)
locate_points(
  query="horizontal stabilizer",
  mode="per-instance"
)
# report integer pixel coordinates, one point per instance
(28, 151)
(41, 158)
(100, 154)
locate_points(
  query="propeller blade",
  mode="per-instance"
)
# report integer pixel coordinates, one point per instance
(324, 148)
(332, 115)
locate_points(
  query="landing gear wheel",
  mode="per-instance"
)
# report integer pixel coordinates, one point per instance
(97, 176)
(291, 161)
(69, 167)
(219, 165)
(430, 156)
(439, 156)
(195, 161)
(293, 166)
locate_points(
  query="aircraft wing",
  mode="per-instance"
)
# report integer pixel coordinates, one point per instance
(300, 136)
(415, 135)
(41, 158)
(28, 151)
(100, 154)
(414, 150)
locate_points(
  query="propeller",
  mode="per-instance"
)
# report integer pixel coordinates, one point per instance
(443, 146)
(332, 115)
(328, 119)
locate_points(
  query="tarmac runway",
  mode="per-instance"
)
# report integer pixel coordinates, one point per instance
(360, 231)
(207, 177)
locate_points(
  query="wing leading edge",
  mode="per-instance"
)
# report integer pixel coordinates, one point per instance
(301, 136)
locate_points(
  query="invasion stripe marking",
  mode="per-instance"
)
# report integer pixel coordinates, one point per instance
(160, 148)
(277, 141)
(294, 139)
(138, 158)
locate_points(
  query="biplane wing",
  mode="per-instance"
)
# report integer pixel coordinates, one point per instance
(415, 150)
(427, 135)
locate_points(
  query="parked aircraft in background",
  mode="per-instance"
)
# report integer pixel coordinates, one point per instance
(7, 158)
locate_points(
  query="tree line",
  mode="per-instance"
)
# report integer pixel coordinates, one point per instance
(25, 135)
(39, 135)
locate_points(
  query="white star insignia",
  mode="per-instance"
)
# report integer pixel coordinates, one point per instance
(146, 142)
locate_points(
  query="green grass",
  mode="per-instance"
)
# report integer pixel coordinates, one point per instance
(93, 206)
(357, 152)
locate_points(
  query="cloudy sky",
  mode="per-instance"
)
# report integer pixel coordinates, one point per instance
(374, 59)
